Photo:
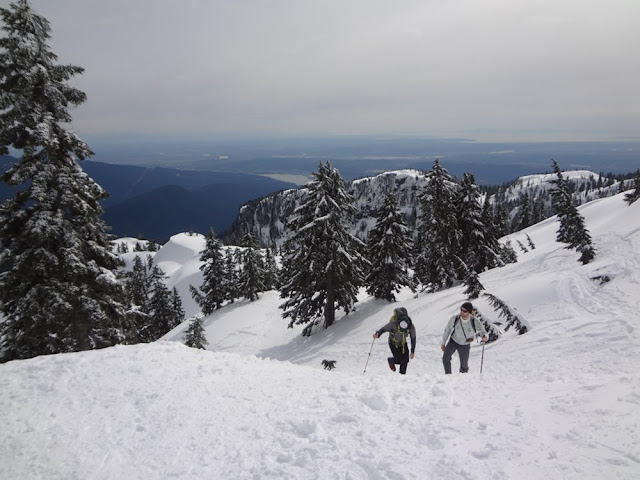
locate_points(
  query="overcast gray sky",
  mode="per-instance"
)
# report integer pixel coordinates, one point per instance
(490, 69)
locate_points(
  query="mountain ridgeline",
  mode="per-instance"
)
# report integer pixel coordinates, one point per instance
(528, 196)
(156, 203)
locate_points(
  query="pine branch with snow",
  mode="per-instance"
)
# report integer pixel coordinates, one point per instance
(512, 316)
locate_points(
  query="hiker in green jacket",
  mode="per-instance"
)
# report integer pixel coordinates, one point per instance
(460, 331)
(399, 327)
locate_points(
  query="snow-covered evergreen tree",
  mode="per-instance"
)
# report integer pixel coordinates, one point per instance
(138, 285)
(211, 293)
(137, 316)
(530, 242)
(474, 286)
(522, 219)
(507, 253)
(572, 230)
(389, 252)
(538, 211)
(231, 274)
(501, 221)
(194, 336)
(162, 315)
(271, 276)
(489, 256)
(177, 310)
(438, 239)
(58, 288)
(472, 230)
(323, 264)
(523, 249)
(251, 280)
(632, 196)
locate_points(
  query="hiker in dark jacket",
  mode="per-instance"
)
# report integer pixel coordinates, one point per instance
(460, 331)
(399, 327)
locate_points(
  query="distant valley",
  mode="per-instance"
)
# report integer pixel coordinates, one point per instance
(171, 187)
(156, 203)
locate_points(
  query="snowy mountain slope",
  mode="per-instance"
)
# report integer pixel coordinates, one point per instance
(560, 402)
(267, 217)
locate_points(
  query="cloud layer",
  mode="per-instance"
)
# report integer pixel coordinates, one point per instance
(499, 69)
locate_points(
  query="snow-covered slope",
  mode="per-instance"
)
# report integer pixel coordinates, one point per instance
(267, 217)
(560, 402)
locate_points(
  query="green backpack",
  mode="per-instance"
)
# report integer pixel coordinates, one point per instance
(403, 321)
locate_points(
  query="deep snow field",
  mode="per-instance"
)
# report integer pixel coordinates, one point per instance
(560, 402)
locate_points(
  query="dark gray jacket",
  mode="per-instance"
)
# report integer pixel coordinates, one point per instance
(398, 335)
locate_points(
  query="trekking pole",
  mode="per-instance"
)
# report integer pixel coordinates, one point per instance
(365, 365)
(482, 358)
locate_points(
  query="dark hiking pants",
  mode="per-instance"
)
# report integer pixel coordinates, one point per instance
(400, 357)
(463, 353)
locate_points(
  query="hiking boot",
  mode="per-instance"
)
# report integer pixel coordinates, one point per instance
(392, 365)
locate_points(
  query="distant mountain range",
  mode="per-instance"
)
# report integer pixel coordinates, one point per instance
(155, 203)
(266, 218)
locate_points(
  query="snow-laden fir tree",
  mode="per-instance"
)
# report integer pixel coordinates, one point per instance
(194, 335)
(507, 253)
(489, 256)
(530, 242)
(166, 308)
(271, 280)
(138, 285)
(58, 287)
(177, 310)
(252, 273)
(501, 220)
(523, 249)
(473, 284)
(523, 216)
(137, 315)
(162, 315)
(438, 239)
(472, 230)
(633, 195)
(323, 263)
(230, 282)
(153, 309)
(572, 230)
(211, 293)
(389, 252)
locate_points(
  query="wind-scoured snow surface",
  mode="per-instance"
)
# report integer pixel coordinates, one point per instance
(560, 402)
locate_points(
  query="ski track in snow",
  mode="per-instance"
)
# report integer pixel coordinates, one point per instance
(560, 402)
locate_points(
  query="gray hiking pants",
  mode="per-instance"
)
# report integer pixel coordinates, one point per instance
(463, 353)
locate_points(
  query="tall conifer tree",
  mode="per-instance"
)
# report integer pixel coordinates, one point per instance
(195, 335)
(323, 263)
(572, 230)
(489, 257)
(251, 280)
(438, 240)
(58, 288)
(212, 291)
(389, 252)
(472, 230)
